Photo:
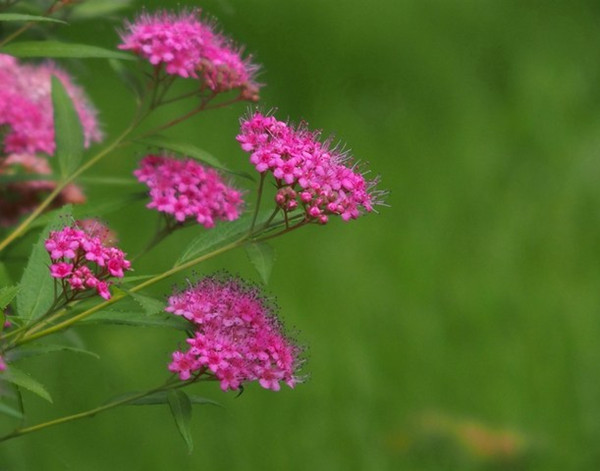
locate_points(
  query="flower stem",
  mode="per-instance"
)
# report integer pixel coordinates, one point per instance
(91, 412)
(304, 222)
(54, 8)
(172, 123)
(69, 322)
(258, 198)
(20, 230)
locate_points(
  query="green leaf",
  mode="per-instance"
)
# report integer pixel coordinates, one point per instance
(37, 286)
(7, 294)
(7, 410)
(160, 397)
(20, 378)
(220, 235)
(21, 17)
(181, 408)
(150, 305)
(137, 319)
(67, 129)
(5, 278)
(59, 49)
(98, 8)
(262, 257)
(183, 148)
(42, 349)
(19, 177)
(109, 181)
(136, 278)
(88, 210)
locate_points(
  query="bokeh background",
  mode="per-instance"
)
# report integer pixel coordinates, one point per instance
(457, 329)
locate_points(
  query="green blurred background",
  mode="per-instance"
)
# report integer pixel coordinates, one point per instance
(457, 329)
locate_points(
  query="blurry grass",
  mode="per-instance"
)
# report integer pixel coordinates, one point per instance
(475, 294)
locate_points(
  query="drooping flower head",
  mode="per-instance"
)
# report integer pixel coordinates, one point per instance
(26, 107)
(237, 338)
(186, 189)
(188, 46)
(309, 174)
(23, 195)
(82, 261)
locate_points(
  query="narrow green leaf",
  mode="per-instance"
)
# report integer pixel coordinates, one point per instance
(98, 8)
(222, 234)
(57, 49)
(181, 408)
(7, 410)
(183, 148)
(21, 17)
(19, 177)
(7, 294)
(67, 129)
(41, 349)
(20, 378)
(262, 257)
(160, 397)
(137, 319)
(136, 278)
(106, 181)
(37, 286)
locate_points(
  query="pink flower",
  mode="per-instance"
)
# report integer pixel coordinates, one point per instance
(237, 336)
(61, 269)
(26, 107)
(91, 263)
(187, 46)
(2, 364)
(102, 289)
(308, 173)
(188, 190)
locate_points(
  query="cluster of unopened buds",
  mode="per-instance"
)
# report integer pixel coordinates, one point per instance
(82, 261)
(308, 173)
(237, 336)
(185, 189)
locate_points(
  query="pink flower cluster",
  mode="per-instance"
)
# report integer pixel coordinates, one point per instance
(237, 336)
(83, 262)
(22, 196)
(186, 189)
(190, 47)
(308, 173)
(26, 106)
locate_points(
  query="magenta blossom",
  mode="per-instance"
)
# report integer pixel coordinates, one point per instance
(188, 46)
(185, 189)
(237, 336)
(26, 106)
(81, 261)
(309, 174)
